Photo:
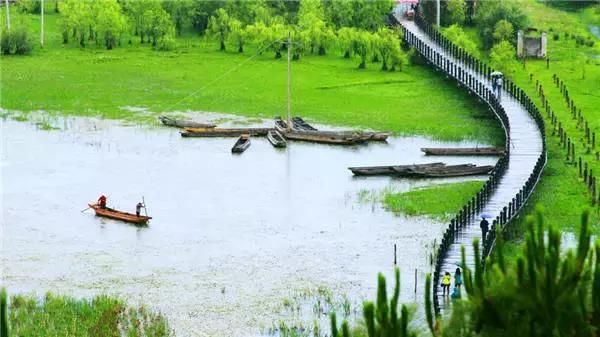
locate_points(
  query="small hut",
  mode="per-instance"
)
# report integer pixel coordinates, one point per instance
(531, 43)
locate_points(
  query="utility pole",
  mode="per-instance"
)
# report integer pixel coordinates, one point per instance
(7, 15)
(437, 10)
(289, 80)
(42, 23)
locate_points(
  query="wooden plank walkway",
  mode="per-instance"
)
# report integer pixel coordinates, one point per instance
(526, 146)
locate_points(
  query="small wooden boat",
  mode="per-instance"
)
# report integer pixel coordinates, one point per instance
(463, 151)
(221, 132)
(179, 123)
(118, 215)
(241, 144)
(299, 124)
(432, 170)
(276, 139)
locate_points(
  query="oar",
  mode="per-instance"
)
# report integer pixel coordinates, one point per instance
(85, 209)
(145, 210)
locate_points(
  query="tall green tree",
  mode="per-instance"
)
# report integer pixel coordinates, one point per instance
(455, 12)
(219, 27)
(157, 25)
(345, 40)
(491, 12)
(503, 31)
(237, 34)
(502, 58)
(76, 18)
(110, 22)
(363, 46)
(387, 44)
(136, 12)
(371, 14)
(202, 11)
(181, 12)
(339, 13)
(457, 35)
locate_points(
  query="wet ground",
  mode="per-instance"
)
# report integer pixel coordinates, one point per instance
(235, 240)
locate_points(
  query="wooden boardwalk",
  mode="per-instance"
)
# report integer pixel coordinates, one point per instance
(526, 146)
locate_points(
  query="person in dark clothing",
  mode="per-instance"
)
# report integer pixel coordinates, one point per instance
(485, 226)
(138, 208)
(102, 201)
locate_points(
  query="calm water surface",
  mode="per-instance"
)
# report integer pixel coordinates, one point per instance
(232, 236)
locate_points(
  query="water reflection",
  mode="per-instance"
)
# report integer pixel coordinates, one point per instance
(231, 236)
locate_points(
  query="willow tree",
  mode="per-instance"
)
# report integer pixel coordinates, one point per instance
(110, 22)
(362, 43)
(218, 27)
(238, 34)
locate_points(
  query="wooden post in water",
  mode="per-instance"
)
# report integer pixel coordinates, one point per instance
(395, 256)
(415, 280)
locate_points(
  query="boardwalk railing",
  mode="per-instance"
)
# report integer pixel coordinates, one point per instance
(474, 75)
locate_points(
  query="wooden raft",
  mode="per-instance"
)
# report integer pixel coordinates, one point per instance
(463, 151)
(432, 170)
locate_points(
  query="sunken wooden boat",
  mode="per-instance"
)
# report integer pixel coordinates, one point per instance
(276, 139)
(119, 215)
(180, 123)
(224, 132)
(323, 137)
(355, 136)
(463, 151)
(241, 144)
(431, 170)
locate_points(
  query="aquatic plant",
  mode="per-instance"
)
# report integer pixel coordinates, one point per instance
(3, 314)
(382, 317)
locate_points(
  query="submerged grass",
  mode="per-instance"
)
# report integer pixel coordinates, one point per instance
(197, 77)
(440, 201)
(65, 316)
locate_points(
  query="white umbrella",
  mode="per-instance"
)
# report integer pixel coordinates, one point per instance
(496, 73)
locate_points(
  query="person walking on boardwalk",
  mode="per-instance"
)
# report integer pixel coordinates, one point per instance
(446, 279)
(457, 278)
(138, 208)
(499, 83)
(485, 226)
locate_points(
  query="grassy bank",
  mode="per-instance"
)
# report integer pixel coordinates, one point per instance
(440, 201)
(327, 89)
(561, 191)
(64, 316)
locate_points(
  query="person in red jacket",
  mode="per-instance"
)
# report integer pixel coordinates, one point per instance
(102, 201)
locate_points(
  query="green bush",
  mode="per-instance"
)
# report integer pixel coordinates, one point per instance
(15, 42)
(166, 44)
(556, 36)
(489, 13)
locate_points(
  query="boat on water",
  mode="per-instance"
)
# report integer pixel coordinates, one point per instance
(465, 151)
(276, 139)
(324, 137)
(224, 132)
(431, 170)
(180, 123)
(241, 144)
(119, 215)
(299, 124)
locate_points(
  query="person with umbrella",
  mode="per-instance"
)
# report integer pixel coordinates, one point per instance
(497, 83)
(484, 225)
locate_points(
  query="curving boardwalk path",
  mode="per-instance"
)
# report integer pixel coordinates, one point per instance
(526, 146)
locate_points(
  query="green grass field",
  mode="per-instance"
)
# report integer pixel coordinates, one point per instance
(561, 190)
(330, 89)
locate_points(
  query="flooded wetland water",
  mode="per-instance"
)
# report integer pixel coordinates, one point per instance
(234, 239)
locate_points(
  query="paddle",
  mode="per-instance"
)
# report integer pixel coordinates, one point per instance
(144, 202)
(85, 209)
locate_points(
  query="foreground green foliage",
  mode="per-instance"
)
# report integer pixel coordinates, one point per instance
(547, 292)
(65, 316)
(438, 201)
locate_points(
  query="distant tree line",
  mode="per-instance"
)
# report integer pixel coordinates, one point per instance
(352, 27)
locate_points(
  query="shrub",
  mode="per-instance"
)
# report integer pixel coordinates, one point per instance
(16, 42)
(556, 36)
(489, 13)
(166, 44)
